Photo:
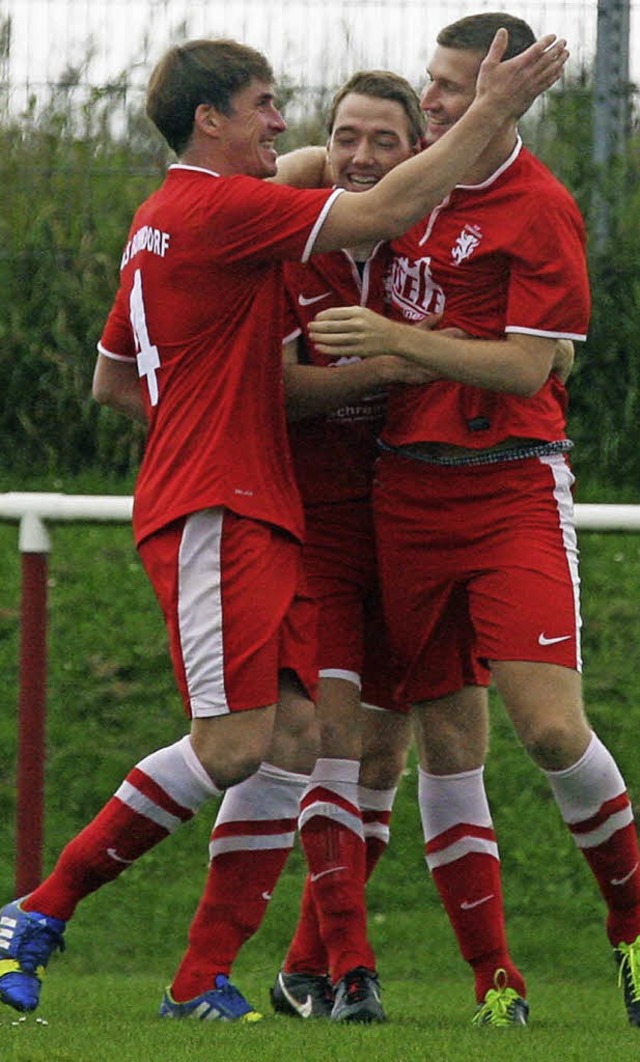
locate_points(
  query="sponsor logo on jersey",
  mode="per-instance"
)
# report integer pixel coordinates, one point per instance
(413, 289)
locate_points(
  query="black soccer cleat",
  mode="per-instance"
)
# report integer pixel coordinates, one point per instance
(301, 995)
(358, 997)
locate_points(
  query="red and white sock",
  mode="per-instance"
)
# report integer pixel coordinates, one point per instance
(594, 803)
(376, 806)
(332, 838)
(462, 854)
(251, 839)
(307, 953)
(164, 790)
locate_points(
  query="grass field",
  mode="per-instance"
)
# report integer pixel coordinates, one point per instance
(111, 700)
(107, 1019)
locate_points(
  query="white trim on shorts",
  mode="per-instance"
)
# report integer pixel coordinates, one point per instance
(340, 673)
(200, 612)
(563, 481)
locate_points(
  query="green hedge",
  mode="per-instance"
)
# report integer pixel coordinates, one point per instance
(73, 175)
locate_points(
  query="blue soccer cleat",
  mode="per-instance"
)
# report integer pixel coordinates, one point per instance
(27, 940)
(223, 1002)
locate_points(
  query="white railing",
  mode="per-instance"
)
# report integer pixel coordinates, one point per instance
(33, 508)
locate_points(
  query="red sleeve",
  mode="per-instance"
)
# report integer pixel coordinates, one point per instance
(117, 336)
(548, 282)
(267, 221)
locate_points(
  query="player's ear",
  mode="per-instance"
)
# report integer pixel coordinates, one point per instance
(207, 119)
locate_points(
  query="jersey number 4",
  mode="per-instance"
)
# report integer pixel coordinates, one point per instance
(147, 357)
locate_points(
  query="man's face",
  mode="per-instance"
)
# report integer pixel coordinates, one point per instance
(248, 134)
(450, 88)
(370, 136)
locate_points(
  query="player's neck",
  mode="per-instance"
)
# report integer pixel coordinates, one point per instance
(361, 253)
(193, 156)
(204, 156)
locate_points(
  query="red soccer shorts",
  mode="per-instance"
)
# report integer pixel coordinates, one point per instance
(477, 564)
(230, 591)
(341, 573)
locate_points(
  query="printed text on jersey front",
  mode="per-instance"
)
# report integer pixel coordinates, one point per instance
(412, 288)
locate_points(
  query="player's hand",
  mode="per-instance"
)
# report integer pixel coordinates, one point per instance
(513, 85)
(350, 330)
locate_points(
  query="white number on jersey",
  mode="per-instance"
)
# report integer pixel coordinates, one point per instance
(147, 358)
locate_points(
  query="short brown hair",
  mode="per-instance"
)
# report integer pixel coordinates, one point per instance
(200, 71)
(383, 85)
(476, 32)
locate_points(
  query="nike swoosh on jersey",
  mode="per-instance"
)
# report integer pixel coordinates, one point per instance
(304, 301)
(543, 640)
(467, 905)
(323, 873)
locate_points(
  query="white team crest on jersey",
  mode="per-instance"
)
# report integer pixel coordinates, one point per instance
(466, 243)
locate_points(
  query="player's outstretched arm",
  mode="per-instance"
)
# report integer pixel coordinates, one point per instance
(414, 187)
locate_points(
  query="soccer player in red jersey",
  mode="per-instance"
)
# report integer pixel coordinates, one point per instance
(336, 416)
(217, 515)
(473, 503)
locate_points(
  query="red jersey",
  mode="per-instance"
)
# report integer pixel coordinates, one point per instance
(507, 255)
(333, 454)
(200, 307)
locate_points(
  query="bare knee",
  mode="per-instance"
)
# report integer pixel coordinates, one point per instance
(232, 747)
(385, 743)
(295, 740)
(452, 733)
(544, 702)
(340, 718)
(555, 744)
